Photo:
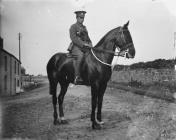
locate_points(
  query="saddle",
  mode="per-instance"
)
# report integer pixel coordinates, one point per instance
(72, 57)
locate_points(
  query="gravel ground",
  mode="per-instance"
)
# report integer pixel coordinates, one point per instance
(127, 116)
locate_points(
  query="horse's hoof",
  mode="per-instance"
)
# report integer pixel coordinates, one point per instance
(101, 123)
(64, 122)
(96, 126)
(56, 122)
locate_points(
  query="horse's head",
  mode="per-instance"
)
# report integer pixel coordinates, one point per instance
(124, 41)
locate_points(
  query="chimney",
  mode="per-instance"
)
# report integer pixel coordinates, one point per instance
(1, 43)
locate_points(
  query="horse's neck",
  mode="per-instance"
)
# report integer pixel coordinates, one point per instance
(104, 56)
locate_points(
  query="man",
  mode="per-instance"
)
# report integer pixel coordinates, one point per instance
(80, 39)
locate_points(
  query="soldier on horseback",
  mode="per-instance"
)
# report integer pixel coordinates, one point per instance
(96, 68)
(80, 40)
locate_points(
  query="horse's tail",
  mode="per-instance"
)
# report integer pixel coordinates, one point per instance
(49, 69)
(52, 72)
(54, 67)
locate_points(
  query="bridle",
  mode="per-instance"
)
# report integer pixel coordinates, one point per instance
(127, 45)
(125, 48)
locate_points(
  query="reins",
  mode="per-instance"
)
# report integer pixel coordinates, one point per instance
(100, 60)
(104, 51)
(112, 52)
(107, 51)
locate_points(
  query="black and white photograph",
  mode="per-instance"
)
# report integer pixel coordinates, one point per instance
(87, 70)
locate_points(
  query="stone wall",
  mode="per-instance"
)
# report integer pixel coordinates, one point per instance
(145, 76)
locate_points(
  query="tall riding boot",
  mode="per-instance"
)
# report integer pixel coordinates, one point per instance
(78, 79)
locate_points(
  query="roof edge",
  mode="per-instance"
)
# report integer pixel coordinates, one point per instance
(10, 55)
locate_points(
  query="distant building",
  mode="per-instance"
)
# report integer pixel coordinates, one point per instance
(10, 72)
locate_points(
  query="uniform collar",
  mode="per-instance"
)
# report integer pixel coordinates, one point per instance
(79, 24)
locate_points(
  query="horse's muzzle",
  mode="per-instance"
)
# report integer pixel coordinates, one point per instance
(129, 56)
(131, 52)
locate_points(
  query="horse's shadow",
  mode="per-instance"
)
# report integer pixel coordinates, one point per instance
(114, 119)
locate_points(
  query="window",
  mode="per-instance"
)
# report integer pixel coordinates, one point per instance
(5, 82)
(15, 84)
(15, 67)
(18, 83)
(18, 68)
(5, 61)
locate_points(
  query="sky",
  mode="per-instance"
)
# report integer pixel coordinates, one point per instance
(44, 26)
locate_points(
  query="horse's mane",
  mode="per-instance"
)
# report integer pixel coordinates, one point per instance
(104, 37)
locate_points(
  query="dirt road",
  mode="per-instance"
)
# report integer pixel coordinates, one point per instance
(127, 116)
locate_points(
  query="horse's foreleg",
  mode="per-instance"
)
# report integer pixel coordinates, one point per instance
(100, 102)
(60, 101)
(94, 93)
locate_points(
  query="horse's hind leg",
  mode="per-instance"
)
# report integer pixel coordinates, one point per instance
(53, 90)
(64, 86)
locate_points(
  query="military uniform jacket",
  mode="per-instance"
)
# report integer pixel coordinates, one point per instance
(79, 36)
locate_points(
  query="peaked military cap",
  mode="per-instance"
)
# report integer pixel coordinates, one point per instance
(80, 13)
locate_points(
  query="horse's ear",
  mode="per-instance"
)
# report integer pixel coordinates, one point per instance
(126, 25)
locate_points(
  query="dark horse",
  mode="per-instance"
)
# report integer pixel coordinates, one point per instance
(95, 71)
